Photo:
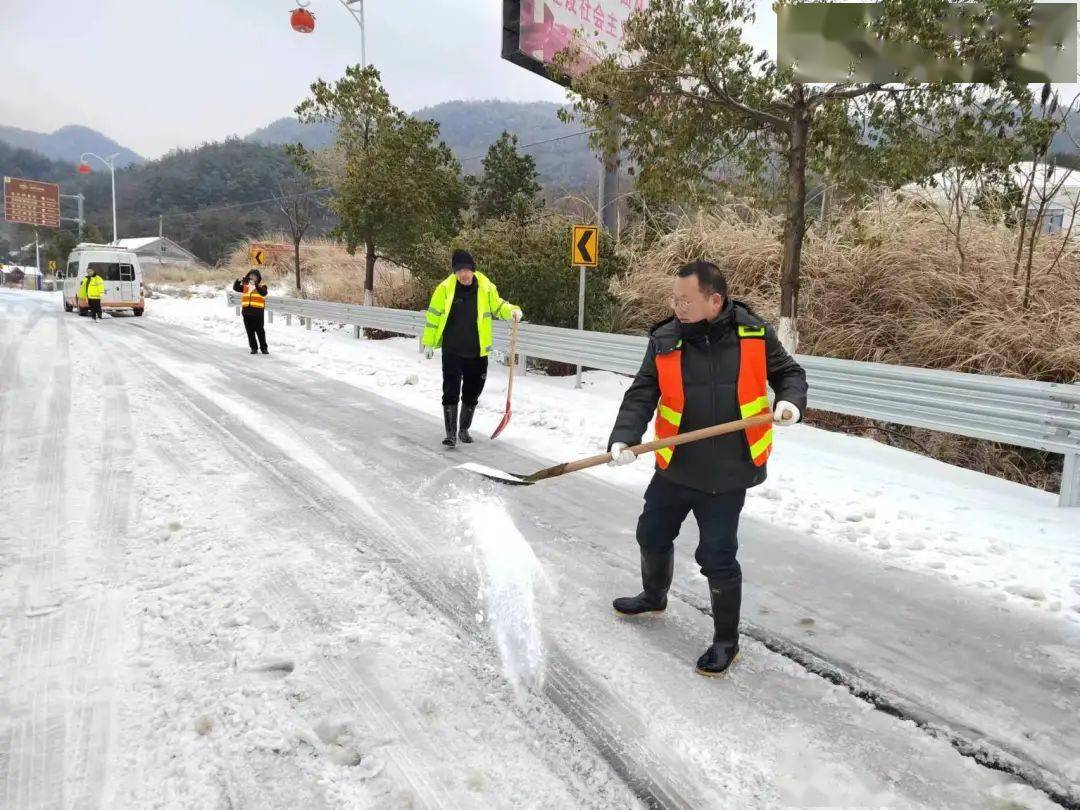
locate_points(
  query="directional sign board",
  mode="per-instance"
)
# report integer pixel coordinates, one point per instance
(52, 265)
(31, 202)
(585, 246)
(262, 252)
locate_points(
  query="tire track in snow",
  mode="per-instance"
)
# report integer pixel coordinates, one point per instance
(655, 778)
(32, 753)
(282, 591)
(90, 718)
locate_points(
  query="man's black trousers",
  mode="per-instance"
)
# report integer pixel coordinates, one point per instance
(463, 379)
(254, 324)
(667, 506)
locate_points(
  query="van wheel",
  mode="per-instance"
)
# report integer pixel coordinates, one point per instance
(138, 313)
(68, 307)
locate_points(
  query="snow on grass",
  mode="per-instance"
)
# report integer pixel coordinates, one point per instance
(894, 506)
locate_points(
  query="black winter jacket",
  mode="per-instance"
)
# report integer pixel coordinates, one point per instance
(710, 368)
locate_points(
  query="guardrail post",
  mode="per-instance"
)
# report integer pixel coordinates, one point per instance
(239, 311)
(270, 312)
(309, 323)
(356, 331)
(1070, 481)
(288, 320)
(523, 364)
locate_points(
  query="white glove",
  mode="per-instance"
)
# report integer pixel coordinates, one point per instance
(429, 353)
(620, 455)
(784, 413)
(517, 314)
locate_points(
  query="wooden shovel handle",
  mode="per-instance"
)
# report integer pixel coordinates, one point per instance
(659, 444)
(513, 359)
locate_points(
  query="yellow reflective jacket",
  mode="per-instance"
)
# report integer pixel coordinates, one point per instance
(82, 287)
(96, 288)
(488, 305)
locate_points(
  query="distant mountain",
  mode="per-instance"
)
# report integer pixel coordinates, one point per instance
(204, 195)
(290, 130)
(68, 143)
(469, 128)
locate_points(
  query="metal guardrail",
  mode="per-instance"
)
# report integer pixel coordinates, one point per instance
(1024, 413)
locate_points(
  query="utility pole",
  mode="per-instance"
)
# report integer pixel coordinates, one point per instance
(160, 226)
(79, 220)
(607, 211)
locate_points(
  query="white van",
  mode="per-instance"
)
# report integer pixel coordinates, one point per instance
(118, 267)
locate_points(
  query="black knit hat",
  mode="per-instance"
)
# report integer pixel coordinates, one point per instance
(462, 260)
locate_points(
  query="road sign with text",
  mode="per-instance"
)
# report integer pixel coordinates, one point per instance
(31, 203)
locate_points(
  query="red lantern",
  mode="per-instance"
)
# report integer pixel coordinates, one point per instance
(303, 20)
(84, 168)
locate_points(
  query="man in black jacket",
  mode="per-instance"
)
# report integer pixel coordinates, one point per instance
(707, 365)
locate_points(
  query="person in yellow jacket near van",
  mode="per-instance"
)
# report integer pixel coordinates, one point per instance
(93, 288)
(459, 320)
(80, 296)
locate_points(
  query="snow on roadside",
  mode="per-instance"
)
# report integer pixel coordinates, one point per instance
(896, 507)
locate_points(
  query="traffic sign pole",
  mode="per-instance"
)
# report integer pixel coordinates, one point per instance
(584, 252)
(580, 315)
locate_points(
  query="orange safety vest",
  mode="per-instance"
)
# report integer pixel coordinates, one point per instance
(251, 298)
(752, 392)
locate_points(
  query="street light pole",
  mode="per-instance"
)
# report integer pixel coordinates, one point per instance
(110, 161)
(351, 6)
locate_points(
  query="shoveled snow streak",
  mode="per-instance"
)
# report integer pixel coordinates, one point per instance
(510, 576)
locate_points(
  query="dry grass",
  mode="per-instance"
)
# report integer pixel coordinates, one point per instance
(888, 289)
(328, 273)
(186, 276)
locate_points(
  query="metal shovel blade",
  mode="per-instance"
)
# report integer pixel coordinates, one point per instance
(505, 421)
(496, 475)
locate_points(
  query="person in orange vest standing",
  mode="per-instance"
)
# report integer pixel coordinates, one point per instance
(707, 365)
(253, 308)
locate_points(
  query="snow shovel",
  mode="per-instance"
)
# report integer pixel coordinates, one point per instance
(510, 385)
(603, 458)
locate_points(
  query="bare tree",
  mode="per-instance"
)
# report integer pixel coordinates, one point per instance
(1041, 187)
(296, 202)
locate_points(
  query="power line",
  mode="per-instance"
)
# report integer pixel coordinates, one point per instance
(197, 211)
(538, 143)
(230, 206)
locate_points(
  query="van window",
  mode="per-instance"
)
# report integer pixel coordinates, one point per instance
(127, 272)
(73, 269)
(110, 271)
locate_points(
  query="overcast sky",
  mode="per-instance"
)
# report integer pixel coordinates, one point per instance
(160, 74)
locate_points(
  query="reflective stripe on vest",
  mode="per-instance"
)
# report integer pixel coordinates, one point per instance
(753, 391)
(752, 394)
(251, 298)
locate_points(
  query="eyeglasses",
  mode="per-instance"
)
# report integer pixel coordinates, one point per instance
(681, 303)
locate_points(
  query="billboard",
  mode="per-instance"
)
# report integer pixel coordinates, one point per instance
(836, 42)
(535, 31)
(31, 203)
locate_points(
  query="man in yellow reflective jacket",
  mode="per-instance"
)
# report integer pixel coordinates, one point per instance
(459, 320)
(95, 291)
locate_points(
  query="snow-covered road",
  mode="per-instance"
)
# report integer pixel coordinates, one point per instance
(236, 581)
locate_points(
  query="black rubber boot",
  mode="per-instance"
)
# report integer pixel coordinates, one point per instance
(726, 598)
(467, 412)
(450, 420)
(656, 573)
